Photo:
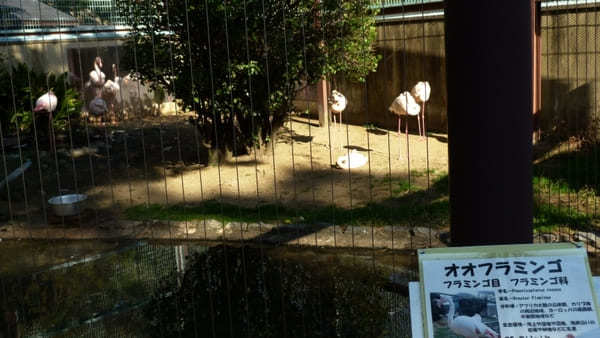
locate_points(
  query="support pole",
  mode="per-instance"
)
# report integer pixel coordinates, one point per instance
(322, 102)
(489, 55)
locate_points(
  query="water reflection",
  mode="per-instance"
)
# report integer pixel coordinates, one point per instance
(193, 290)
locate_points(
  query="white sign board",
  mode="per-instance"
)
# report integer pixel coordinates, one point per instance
(533, 291)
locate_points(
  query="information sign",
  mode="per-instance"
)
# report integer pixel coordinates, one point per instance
(507, 291)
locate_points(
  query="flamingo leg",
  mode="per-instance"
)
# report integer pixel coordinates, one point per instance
(424, 130)
(419, 122)
(399, 134)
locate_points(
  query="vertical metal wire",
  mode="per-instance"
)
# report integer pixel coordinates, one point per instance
(10, 209)
(577, 148)
(273, 141)
(405, 82)
(597, 121)
(87, 129)
(217, 148)
(37, 150)
(312, 186)
(290, 120)
(237, 172)
(177, 131)
(254, 149)
(142, 133)
(331, 172)
(21, 162)
(308, 119)
(174, 88)
(51, 131)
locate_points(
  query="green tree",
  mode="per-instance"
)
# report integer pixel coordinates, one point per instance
(239, 63)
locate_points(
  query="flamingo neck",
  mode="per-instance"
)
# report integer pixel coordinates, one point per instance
(96, 68)
(451, 312)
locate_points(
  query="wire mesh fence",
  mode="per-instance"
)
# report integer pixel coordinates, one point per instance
(206, 121)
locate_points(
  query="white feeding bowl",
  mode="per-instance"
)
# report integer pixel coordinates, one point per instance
(67, 205)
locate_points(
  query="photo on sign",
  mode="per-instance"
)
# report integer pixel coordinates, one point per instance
(464, 314)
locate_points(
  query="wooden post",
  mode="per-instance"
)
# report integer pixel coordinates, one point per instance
(537, 68)
(489, 60)
(322, 102)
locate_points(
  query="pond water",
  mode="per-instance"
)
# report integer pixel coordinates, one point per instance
(195, 289)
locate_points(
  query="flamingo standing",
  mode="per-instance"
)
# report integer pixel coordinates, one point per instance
(466, 326)
(405, 104)
(111, 89)
(47, 104)
(421, 92)
(338, 103)
(97, 77)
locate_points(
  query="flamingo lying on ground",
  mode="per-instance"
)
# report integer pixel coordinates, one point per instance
(47, 104)
(466, 326)
(353, 160)
(421, 92)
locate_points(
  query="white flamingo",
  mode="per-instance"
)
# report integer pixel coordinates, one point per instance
(47, 104)
(97, 77)
(421, 92)
(466, 326)
(337, 103)
(406, 105)
(353, 160)
(112, 87)
(111, 90)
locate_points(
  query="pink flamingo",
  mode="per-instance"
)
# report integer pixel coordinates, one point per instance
(47, 104)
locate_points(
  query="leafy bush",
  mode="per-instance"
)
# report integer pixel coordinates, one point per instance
(241, 69)
(244, 290)
(20, 87)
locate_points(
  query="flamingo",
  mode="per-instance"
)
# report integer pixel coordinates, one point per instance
(338, 103)
(111, 89)
(421, 92)
(466, 326)
(98, 108)
(47, 104)
(97, 77)
(405, 104)
(353, 160)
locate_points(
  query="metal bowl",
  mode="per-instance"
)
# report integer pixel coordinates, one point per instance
(67, 205)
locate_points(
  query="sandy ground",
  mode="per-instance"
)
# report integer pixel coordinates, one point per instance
(296, 170)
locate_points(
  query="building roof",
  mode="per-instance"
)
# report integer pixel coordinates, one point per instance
(17, 14)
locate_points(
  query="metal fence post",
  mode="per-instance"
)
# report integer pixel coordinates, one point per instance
(489, 48)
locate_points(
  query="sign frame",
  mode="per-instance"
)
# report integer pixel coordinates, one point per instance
(495, 252)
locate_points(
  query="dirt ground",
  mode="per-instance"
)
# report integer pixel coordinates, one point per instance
(297, 170)
(123, 165)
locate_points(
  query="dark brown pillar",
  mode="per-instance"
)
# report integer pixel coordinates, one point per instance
(489, 55)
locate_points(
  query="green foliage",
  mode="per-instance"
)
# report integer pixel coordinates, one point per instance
(243, 292)
(240, 70)
(20, 87)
